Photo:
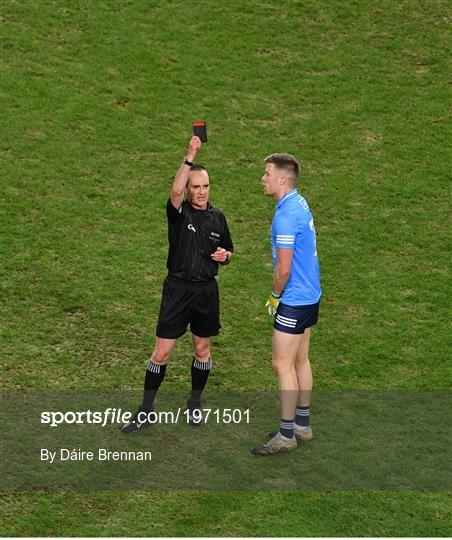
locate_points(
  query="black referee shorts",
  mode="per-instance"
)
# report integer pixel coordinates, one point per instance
(197, 304)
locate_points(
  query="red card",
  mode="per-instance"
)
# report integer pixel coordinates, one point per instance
(200, 130)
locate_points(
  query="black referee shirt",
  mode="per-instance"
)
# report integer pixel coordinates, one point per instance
(193, 236)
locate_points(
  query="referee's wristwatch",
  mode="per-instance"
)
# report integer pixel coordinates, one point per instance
(187, 162)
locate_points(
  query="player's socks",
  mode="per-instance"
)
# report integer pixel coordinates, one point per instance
(287, 428)
(155, 373)
(199, 375)
(302, 416)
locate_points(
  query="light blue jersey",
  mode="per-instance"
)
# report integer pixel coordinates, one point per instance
(293, 227)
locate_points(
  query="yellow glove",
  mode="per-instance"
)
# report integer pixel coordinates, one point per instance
(272, 303)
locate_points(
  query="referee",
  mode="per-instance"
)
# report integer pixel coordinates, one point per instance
(199, 240)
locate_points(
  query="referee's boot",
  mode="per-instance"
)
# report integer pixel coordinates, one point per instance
(276, 445)
(194, 409)
(302, 433)
(138, 421)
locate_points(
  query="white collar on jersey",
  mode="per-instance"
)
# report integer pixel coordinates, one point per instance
(286, 196)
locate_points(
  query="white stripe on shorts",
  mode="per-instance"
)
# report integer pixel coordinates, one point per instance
(287, 319)
(284, 323)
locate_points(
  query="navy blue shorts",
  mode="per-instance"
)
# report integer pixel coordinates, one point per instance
(295, 319)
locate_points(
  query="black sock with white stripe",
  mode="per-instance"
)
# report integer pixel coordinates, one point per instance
(199, 375)
(287, 428)
(155, 373)
(302, 417)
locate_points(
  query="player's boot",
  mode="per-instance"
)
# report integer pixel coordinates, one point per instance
(302, 433)
(276, 445)
(138, 421)
(194, 408)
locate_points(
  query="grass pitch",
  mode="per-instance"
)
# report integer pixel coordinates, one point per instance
(97, 102)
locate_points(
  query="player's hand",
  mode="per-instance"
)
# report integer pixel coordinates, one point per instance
(220, 255)
(272, 303)
(193, 147)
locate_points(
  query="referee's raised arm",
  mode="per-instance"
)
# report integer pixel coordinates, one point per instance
(180, 182)
(198, 241)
